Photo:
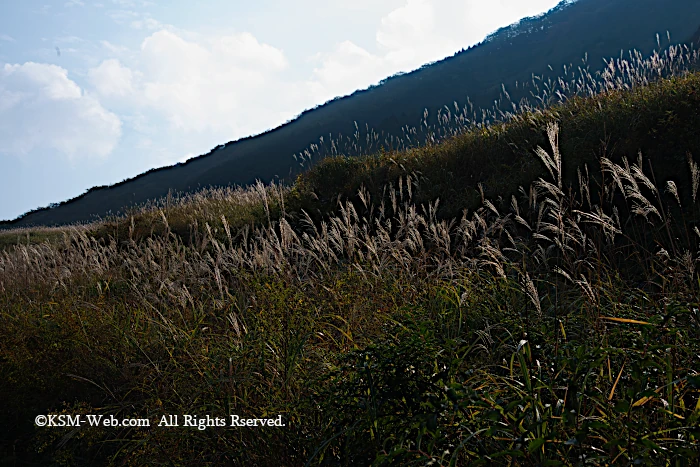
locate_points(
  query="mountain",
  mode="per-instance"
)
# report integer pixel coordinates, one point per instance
(695, 40)
(370, 330)
(540, 45)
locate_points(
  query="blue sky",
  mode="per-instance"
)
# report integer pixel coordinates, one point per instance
(93, 92)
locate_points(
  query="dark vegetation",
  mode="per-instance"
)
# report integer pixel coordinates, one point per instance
(598, 28)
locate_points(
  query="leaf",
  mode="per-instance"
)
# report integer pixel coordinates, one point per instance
(650, 444)
(694, 381)
(626, 320)
(615, 442)
(535, 444)
(593, 425)
(512, 453)
(452, 395)
(617, 380)
(647, 396)
(622, 406)
(431, 422)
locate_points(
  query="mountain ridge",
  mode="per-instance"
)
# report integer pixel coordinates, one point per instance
(431, 86)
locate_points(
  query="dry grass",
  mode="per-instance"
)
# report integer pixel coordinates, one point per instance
(558, 327)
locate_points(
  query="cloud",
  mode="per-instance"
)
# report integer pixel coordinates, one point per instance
(69, 40)
(133, 3)
(234, 84)
(123, 16)
(111, 79)
(201, 89)
(483, 18)
(346, 69)
(415, 33)
(219, 83)
(147, 23)
(138, 20)
(72, 3)
(41, 108)
(407, 26)
(114, 49)
(187, 92)
(43, 10)
(407, 38)
(6, 38)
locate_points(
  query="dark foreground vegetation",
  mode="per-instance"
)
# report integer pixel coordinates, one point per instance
(523, 293)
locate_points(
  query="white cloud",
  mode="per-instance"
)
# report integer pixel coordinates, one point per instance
(43, 10)
(114, 49)
(133, 3)
(69, 40)
(408, 26)
(415, 33)
(220, 83)
(71, 3)
(146, 23)
(139, 20)
(43, 109)
(483, 18)
(234, 83)
(196, 90)
(346, 69)
(184, 92)
(123, 16)
(406, 38)
(6, 38)
(139, 123)
(244, 50)
(111, 79)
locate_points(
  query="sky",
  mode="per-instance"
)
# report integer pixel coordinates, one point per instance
(94, 92)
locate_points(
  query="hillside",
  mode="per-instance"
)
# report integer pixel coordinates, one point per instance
(522, 293)
(598, 28)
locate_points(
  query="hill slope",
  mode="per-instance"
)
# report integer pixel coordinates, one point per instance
(598, 28)
(558, 325)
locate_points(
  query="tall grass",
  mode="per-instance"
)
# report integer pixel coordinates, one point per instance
(574, 80)
(555, 326)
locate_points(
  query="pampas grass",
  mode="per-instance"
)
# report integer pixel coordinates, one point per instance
(555, 327)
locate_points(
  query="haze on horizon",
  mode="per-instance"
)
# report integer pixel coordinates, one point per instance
(93, 92)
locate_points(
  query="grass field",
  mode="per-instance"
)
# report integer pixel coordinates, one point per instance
(517, 293)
